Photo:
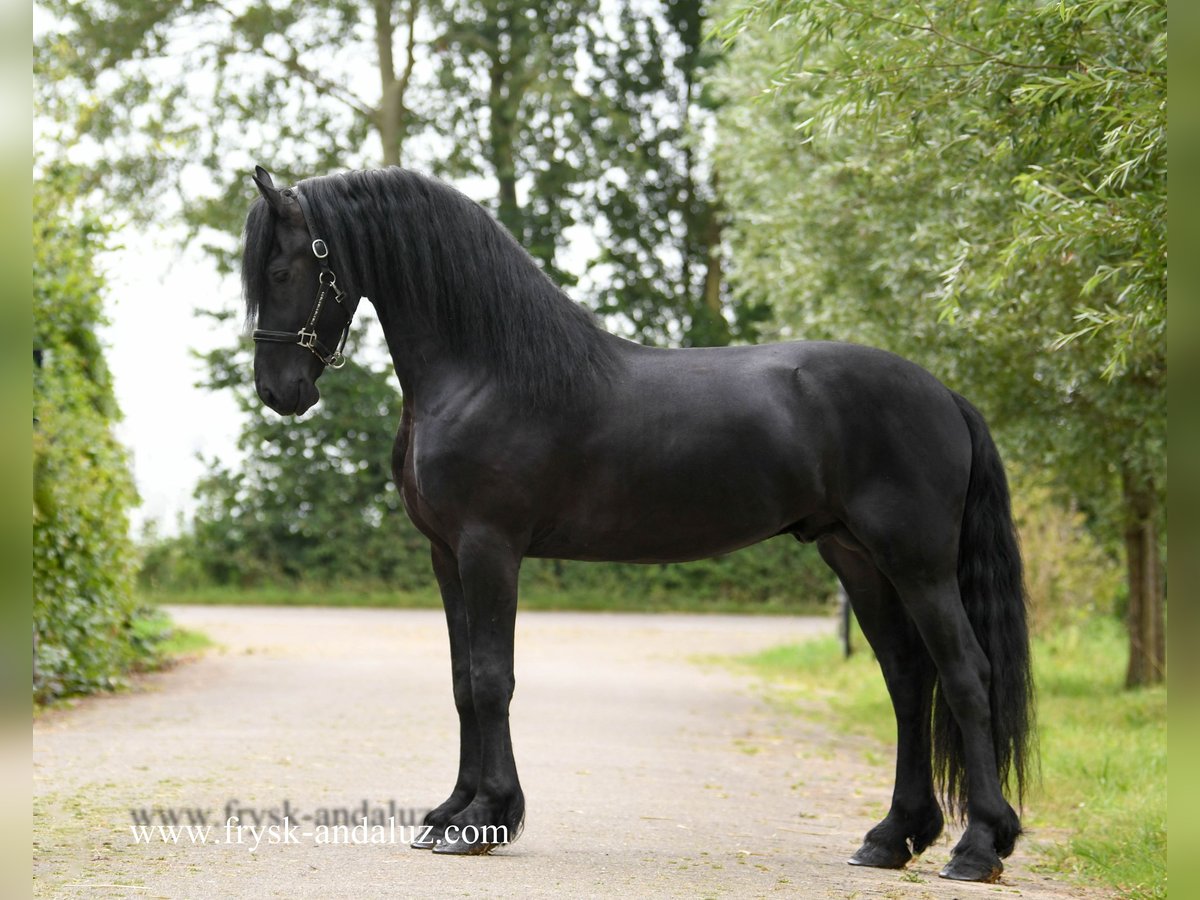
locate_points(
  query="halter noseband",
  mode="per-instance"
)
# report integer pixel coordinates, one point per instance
(326, 281)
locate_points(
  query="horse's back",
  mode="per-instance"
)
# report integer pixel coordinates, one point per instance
(820, 395)
(701, 451)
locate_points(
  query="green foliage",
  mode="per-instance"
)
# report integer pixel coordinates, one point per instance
(654, 192)
(576, 115)
(511, 110)
(167, 97)
(802, 587)
(981, 188)
(83, 607)
(1071, 575)
(313, 502)
(161, 642)
(1001, 167)
(1103, 749)
(598, 114)
(775, 576)
(1038, 134)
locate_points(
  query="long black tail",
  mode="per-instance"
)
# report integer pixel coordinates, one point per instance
(993, 592)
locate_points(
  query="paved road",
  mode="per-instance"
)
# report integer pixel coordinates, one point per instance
(647, 773)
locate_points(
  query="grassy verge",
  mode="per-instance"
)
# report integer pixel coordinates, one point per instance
(1103, 749)
(155, 643)
(162, 642)
(533, 596)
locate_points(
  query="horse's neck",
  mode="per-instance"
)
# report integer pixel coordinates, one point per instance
(422, 362)
(428, 370)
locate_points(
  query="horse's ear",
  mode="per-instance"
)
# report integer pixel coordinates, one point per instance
(266, 187)
(263, 179)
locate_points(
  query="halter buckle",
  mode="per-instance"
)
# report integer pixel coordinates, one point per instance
(307, 339)
(320, 249)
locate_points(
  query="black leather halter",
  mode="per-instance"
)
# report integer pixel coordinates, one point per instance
(326, 282)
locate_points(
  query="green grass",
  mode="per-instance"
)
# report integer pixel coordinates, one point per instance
(533, 596)
(163, 642)
(1103, 749)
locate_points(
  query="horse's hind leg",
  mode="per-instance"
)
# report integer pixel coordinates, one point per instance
(445, 568)
(914, 820)
(964, 676)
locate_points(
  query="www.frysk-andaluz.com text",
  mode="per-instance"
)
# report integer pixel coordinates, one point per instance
(286, 824)
(287, 832)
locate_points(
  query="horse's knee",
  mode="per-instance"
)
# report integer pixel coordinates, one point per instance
(492, 686)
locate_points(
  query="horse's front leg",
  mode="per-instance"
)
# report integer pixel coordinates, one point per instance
(445, 568)
(488, 569)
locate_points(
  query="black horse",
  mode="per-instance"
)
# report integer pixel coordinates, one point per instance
(529, 431)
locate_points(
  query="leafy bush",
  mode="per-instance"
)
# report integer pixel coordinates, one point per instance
(777, 575)
(83, 605)
(1071, 575)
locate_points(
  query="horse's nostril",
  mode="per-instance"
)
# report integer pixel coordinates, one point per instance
(267, 395)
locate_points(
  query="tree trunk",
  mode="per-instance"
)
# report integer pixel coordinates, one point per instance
(502, 108)
(389, 112)
(392, 113)
(712, 271)
(1147, 595)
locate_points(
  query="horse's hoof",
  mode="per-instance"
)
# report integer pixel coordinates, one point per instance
(459, 847)
(973, 867)
(426, 839)
(880, 857)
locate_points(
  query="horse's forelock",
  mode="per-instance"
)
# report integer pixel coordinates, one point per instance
(256, 248)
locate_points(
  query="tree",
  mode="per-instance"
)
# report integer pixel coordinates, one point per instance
(83, 605)
(656, 191)
(177, 96)
(572, 121)
(313, 501)
(981, 188)
(507, 75)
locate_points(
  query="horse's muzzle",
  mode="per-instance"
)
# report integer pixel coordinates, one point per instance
(295, 398)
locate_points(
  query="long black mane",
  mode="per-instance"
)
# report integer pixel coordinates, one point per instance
(421, 249)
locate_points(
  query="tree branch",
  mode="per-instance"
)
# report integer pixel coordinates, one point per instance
(292, 64)
(411, 24)
(930, 28)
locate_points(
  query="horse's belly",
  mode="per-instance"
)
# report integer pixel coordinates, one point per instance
(672, 518)
(644, 548)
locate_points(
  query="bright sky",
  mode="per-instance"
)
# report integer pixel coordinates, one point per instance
(155, 289)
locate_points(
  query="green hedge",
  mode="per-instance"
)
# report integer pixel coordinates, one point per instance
(83, 603)
(777, 576)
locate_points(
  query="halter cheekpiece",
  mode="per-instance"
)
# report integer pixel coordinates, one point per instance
(326, 283)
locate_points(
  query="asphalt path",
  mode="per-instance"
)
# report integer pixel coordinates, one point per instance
(649, 769)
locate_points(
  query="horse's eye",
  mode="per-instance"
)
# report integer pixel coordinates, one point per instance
(279, 276)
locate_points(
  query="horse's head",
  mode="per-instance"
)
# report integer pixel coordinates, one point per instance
(302, 316)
